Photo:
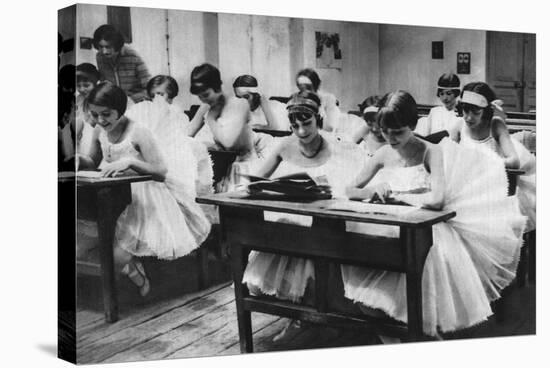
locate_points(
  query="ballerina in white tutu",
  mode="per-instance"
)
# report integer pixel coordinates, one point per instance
(474, 255)
(307, 150)
(163, 219)
(226, 118)
(485, 128)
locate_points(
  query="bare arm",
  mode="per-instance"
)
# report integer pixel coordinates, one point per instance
(357, 189)
(198, 120)
(358, 135)
(272, 162)
(92, 160)
(270, 116)
(454, 130)
(500, 132)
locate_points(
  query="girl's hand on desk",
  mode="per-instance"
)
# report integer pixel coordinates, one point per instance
(382, 190)
(115, 168)
(359, 194)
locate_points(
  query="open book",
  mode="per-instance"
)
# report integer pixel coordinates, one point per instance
(79, 174)
(88, 174)
(296, 186)
(371, 208)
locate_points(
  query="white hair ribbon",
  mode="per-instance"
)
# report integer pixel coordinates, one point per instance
(446, 87)
(243, 90)
(370, 109)
(497, 105)
(473, 98)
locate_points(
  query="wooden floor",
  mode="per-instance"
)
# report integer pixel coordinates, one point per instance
(177, 322)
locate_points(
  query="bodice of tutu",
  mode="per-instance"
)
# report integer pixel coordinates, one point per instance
(405, 178)
(116, 151)
(489, 142)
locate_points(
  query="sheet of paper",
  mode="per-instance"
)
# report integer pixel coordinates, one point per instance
(373, 208)
(88, 174)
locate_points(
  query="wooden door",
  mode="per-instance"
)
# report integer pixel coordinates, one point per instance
(511, 69)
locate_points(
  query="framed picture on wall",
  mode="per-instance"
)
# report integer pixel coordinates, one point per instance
(463, 62)
(328, 52)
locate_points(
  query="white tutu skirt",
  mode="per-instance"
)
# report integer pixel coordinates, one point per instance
(157, 224)
(527, 185)
(473, 256)
(163, 219)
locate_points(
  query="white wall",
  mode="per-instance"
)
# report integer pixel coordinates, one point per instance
(187, 50)
(256, 45)
(359, 75)
(406, 58)
(89, 17)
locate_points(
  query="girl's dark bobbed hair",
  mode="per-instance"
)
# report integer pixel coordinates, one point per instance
(171, 86)
(245, 80)
(305, 102)
(203, 77)
(397, 110)
(486, 91)
(109, 95)
(110, 34)
(448, 81)
(312, 75)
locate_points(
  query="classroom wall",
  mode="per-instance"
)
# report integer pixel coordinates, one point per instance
(376, 57)
(359, 75)
(271, 48)
(256, 45)
(406, 58)
(89, 17)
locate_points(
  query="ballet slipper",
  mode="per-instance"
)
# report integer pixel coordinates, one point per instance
(291, 325)
(136, 273)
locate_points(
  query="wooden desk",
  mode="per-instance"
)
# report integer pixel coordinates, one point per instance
(102, 200)
(243, 226)
(273, 132)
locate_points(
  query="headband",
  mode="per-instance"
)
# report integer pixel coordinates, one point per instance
(447, 87)
(242, 90)
(304, 82)
(370, 109)
(473, 98)
(301, 104)
(301, 108)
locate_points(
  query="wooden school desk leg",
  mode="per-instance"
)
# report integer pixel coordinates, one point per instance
(239, 260)
(321, 265)
(202, 260)
(106, 222)
(414, 269)
(532, 253)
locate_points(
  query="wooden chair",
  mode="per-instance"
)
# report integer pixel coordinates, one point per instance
(281, 99)
(192, 111)
(273, 133)
(435, 137)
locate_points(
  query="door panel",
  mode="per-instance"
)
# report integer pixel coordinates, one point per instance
(530, 72)
(511, 69)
